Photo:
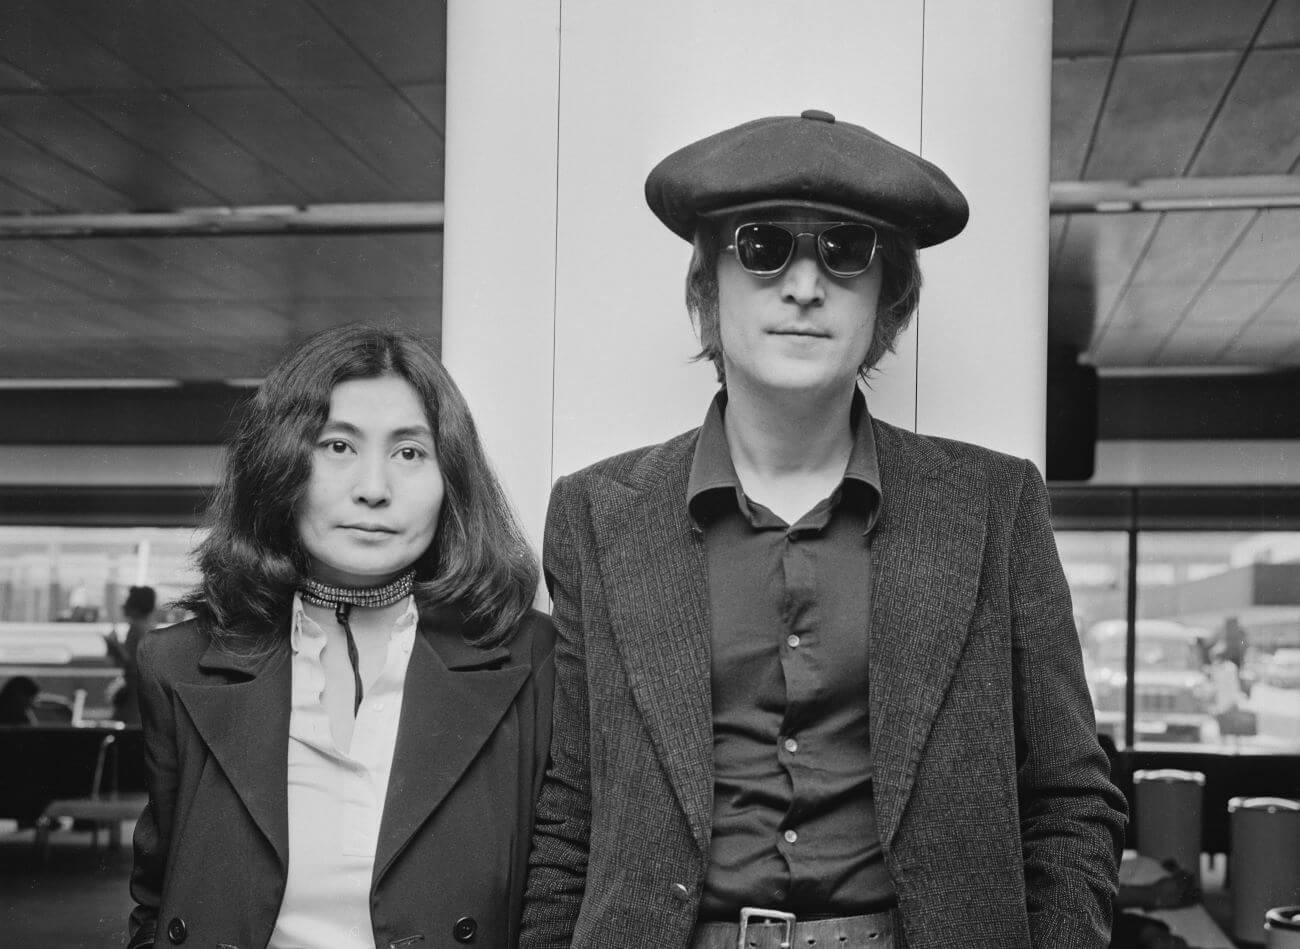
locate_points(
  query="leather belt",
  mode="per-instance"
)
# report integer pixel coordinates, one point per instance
(773, 929)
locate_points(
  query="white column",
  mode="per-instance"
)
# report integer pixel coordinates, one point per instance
(498, 323)
(982, 332)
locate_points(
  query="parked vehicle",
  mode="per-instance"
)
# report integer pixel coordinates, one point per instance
(1175, 696)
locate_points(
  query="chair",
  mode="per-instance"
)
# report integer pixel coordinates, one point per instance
(102, 811)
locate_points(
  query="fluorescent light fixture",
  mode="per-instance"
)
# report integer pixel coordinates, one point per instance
(1176, 194)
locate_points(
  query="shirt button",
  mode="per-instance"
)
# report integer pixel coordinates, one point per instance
(790, 836)
(792, 641)
(790, 745)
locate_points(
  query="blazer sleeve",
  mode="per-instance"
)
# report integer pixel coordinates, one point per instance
(558, 865)
(153, 831)
(1072, 817)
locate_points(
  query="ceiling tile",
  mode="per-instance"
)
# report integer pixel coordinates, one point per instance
(160, 124)
(1084, 27)
(1189, 245)
(1153, 307)
(280, 133)
(293, 46)
(41, 40)
(164, 43)
(404, 39)
(58, 127)
(59, 183)
(1258, 130)
(1103, 248)
(1270, 249)
(430, 100)
(388, 134)
(1283, 309)
(1160, 26)
(1283, 26)
(1230, 305)
(1155, 114)
(1077, 88)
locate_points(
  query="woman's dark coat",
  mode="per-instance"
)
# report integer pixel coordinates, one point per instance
(211, 848)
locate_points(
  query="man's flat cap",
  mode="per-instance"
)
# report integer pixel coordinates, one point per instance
(807, 159)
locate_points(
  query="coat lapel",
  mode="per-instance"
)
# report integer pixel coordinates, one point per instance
(654, 569)
(245, 724)
(454, 698)
(927, 551)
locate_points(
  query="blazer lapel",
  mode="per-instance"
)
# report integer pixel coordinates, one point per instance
(245, 724)
(454, 698)
(654, 568)
(926, 559)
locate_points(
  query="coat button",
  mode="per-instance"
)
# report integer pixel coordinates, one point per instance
(465, 930)
(177, 930)
(681, 892)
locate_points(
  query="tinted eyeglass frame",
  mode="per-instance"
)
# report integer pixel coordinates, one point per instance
(820, 230)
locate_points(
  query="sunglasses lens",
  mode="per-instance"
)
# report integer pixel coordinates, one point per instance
(847, 249)
(763, 248)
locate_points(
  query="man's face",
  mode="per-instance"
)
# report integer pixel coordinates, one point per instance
(802, 331)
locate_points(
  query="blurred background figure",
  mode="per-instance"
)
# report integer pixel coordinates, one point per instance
(139, 608)
(17, 701)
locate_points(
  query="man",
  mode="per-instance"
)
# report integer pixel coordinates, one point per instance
(818, 677)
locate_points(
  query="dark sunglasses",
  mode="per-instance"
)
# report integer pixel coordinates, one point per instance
(765, 249)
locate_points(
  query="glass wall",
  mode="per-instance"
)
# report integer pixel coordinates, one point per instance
(61, 595)
(1211, 636)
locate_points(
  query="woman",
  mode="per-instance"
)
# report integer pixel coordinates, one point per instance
(139, 612)
(345, 744)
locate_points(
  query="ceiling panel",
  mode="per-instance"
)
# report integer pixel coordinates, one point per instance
(37, 175)
(1161, 26)
(1284, 309)
(1188, 247)
(1198, 87)
(1258, 131)
(59, 127)
(1077, 88)
(1228, 305)
(279, 132)
(1091, 27)
(391, 136)
(1283, 25)
(393, 35)
(211, 155)
(1269, 250)
(292, 45)
(1154, 308)
(1157, 110)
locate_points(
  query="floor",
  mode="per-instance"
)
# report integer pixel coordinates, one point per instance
(77, 900)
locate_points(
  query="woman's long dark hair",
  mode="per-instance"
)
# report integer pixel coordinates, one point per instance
(252, 562)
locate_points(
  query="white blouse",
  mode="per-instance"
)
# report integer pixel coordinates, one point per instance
(336, 797)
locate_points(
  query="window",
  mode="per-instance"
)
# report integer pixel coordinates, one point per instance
(1210, 632)
(61, 592)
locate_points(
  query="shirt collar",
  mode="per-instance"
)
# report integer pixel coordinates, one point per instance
(713, 474)
(307, 638)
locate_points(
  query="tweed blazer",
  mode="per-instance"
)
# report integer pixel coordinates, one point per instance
(212, 847)
(998, 821)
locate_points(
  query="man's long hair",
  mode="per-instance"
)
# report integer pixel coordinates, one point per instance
(252, 561)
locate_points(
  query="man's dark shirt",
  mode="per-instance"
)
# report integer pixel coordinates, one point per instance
(793, 814)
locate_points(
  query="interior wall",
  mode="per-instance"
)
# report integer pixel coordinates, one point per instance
(583, 348)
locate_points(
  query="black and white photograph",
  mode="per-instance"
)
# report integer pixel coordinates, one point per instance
(693, 475)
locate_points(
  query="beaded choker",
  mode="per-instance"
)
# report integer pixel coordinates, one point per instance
(322, 594)
(343, 599)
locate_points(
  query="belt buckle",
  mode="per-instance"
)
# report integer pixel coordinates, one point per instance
(749, 913)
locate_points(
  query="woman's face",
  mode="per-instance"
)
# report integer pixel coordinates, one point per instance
(372, 501)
